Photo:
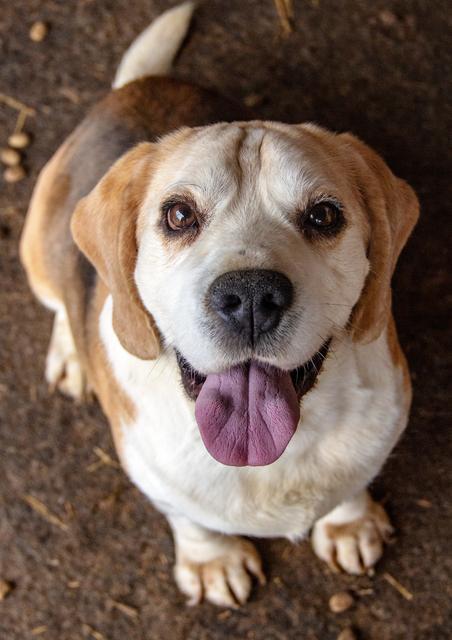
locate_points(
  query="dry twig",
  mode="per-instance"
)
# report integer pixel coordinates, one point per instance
(104, 459)
(286, 14)
(16, 104)
(5, 588)
(97, 635)
(124, 608)
(43, 511)
(399, 587)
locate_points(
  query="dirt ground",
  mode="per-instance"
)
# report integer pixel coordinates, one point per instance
(103, 568)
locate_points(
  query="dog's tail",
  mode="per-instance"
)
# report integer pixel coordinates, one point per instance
(153, 51)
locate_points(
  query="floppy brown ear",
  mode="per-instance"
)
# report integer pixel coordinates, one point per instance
(392, 209)
(104, 228)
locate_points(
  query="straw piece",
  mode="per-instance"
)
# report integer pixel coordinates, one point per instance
(43, 511)
(285, 14)
(16, 104)
(399, 587)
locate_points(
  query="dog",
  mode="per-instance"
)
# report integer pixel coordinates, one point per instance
(223, 286)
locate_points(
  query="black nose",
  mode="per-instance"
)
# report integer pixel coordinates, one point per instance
(251, 302)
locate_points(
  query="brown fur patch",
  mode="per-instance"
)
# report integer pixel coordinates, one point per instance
(104, 228)
(398, 357)
(116, 404)
(51, 191)
(393, 210)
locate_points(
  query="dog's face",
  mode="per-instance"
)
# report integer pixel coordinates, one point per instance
(253, 245)
(268, 202)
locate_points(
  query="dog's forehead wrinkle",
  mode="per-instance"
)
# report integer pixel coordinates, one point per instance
(207, 163)
(234, 163)
(183, 183)
(290, 174)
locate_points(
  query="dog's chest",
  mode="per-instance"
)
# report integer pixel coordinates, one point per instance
(340, 443)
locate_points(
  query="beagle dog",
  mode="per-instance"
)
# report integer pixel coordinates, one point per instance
(223, 286)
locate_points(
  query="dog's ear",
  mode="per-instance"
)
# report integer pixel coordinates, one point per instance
(104, 228)
(392, 209)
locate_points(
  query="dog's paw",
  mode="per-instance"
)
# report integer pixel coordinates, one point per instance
(63, 368)
(352, 545)
(65, 374)
(224, 580)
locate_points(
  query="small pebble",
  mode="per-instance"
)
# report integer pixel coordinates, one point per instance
(38, 31)
(73, 584)
(10, 157)
(14, 174)
(410, 21)
(253, 100)
(5, 588)
(340, 602)
(347, 634)
(19, 140)
(387, 18)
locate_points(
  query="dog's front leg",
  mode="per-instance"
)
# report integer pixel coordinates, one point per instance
(351, 536)
(212, 565)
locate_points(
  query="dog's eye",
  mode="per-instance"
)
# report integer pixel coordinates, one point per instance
(181, 216)
(324, 217)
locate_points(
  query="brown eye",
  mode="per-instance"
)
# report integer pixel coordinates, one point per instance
(181, 216)
(324, 216)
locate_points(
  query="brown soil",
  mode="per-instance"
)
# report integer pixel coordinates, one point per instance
(380, 69)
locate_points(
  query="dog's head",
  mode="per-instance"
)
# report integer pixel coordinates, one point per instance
(246, 248)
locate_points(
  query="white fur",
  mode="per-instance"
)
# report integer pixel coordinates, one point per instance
(63, 368)
(349, 424)
(153, 51)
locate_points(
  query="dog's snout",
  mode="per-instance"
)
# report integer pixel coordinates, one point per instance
(251, 302)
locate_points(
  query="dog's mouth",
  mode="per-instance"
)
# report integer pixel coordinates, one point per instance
(248, 414)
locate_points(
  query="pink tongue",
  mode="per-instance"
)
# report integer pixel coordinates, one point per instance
(247, 415)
